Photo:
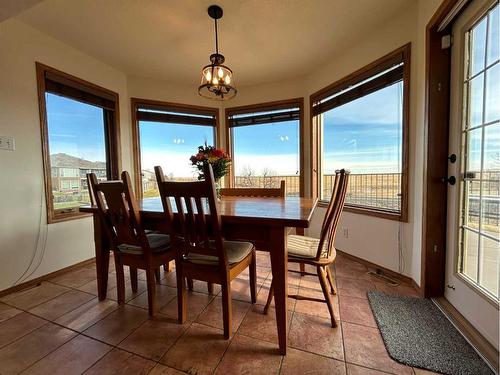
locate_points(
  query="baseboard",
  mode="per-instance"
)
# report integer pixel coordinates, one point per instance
(395, 275)
(484, 347)
(38, 280)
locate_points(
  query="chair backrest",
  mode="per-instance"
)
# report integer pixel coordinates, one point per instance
(254, 192)
(332, 215)
(119, 211)
(198, 226)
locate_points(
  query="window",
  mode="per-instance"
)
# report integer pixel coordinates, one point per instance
(361, 124)
(79, 132)
(264, 140)
(480, 184)
(168, 134)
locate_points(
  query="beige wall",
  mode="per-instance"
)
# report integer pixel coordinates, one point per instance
(23, 224)
(371, 238)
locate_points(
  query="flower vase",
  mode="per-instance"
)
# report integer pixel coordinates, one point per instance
(217, 189)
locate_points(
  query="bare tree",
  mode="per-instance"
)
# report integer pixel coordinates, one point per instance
(247, 176)
(269, 178)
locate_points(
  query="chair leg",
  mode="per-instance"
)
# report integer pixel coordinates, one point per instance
(120, 280)
(133, 279)
(210, 288)
(302, 269)
(326, 294)
(190, 284)
(158, 275)
(269, 298)
(227, 309)
(181, 294)
(150, 280)
(330, 280)
(253, 278)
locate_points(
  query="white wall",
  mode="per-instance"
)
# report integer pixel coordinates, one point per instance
(23, 224)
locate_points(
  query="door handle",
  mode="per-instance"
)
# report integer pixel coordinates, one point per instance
(452, 158)
(451, 180)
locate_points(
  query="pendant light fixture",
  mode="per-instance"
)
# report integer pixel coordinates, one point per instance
(216, 79)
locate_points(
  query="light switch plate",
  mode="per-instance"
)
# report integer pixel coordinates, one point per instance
(7, 143)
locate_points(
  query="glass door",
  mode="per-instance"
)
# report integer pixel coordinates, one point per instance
(472, 279)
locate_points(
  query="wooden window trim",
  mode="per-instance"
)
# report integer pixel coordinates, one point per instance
(137, 103)
(262, 107)
(403, 53)
(77, 89)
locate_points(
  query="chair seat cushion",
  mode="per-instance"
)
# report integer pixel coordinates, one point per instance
(157, 242)
(236, 251)
(304, 247)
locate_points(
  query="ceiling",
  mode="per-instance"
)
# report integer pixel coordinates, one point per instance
(263, 40)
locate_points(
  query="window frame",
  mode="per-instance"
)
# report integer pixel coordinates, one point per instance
(402, 54)
(137, 103)
(77, 89)
(264, 107)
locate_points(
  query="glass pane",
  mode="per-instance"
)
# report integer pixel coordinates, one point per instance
(492, 148)
(471, 204)
(170, 146)
(492, 105)
(489, 265)
(470, 247)
(478, 47)
(493, 36)
(473, 161)
(365, 136)
(476, 101)
(77, 146)
(265, 154)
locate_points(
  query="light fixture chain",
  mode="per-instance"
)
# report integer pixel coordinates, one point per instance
(216, 38)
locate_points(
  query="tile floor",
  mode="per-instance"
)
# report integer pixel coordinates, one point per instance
(60, 327)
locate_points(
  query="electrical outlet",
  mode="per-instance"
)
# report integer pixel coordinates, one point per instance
(7, 143)
(345, 232)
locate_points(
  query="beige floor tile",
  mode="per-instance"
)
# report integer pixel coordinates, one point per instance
(250, 356)
(118, 325)
(29, 298)
(86, 315)
(165, 370)
(24, 352)
(364, 346)
(315, 334)
(18, 326)
(154, 337)
(297, 362)
(121, 362)
(356, 310)
(7, 312)
(261, 326)
(164, 294)
(212, 315)
(358, 370)
(74, 357)
(62, 304)
(75, 278)
(196, 303)
(198, 351)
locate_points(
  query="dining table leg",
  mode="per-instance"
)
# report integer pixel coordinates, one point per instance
(279, 263)
(101, 257)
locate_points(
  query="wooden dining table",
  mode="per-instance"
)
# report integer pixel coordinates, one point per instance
(263, 221)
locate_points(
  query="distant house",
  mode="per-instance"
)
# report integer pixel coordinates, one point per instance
(69, 172)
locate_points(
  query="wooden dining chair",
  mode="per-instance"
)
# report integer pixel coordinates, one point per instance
(254, 192)
(319, 253)
(130, 243)
(202, 252)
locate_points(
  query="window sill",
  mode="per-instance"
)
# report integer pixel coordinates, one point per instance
(58, 218)
(396, 216)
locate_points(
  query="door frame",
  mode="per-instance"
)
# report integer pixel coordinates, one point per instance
(436, 139)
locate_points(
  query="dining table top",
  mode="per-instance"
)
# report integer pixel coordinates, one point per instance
(288, 211)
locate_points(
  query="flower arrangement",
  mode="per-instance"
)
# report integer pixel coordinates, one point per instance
(217, 157)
